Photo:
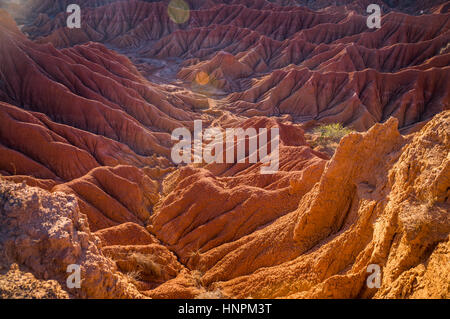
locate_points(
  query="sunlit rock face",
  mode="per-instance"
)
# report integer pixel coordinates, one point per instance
(87, 176)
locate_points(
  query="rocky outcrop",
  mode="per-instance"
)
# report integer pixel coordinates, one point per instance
(347, 219)
(45, 233)
(86, 175)
(16, 284)
(396, 218)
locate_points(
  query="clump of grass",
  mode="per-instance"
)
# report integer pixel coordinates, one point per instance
(197, 277)
(431, 202)
(133, 276)
(215, 294)
(194, 258)
(331, 133)
(146, 264)
(443, 49)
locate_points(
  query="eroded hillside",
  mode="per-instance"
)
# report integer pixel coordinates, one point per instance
(87, 175)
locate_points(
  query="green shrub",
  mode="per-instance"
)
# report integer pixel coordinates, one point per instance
(331, 133)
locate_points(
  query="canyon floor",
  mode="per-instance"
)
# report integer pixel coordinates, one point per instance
(86, 170)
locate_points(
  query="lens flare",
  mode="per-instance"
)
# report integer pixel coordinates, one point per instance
(202, 78)
(178, 11)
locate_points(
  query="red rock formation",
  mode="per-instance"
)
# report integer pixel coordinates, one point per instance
(244, 200)
(109, 196)
(86, 118)
(358, 99)
(396, 218)
(45, 233)
(92, 89)
(255, 49)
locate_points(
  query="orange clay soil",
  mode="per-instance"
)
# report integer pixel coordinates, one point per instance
(86, 177)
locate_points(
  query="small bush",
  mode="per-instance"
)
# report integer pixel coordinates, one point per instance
(443, 49)
(146, 264)
(331, 133)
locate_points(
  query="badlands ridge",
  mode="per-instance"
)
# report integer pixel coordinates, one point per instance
(86, 177)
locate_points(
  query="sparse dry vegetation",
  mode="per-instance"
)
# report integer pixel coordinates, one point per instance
(197, 277)
(133, 276)
(444, 49)
(146, 264)
(214, 294)
(431, 202)
(194, 258)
